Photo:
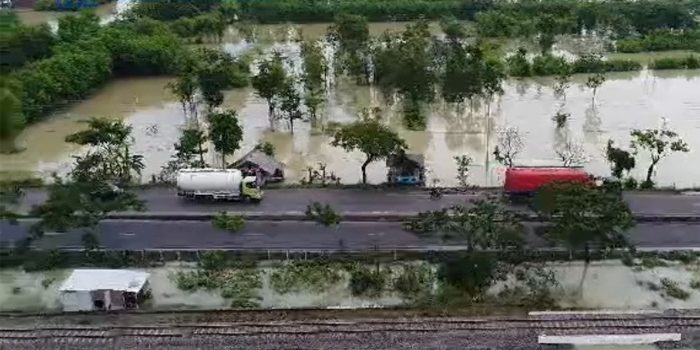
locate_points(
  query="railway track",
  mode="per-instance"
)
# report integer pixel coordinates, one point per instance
(550, 326)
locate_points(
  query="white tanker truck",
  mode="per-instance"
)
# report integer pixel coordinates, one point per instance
(217, 184)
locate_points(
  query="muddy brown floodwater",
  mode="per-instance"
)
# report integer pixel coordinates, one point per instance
(624, 102)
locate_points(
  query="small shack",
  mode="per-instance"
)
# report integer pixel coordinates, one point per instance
(257, 163)
(406, 169)
(98, 289)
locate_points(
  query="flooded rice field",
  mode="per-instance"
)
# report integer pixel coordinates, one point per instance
(624, 102)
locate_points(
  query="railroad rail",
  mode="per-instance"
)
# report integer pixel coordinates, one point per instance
(627, 324)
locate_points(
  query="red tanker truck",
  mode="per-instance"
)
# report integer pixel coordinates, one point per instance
(527, 180)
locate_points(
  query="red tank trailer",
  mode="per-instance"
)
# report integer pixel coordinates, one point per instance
(527, 180)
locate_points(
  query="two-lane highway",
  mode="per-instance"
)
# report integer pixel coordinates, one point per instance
(297, 235)
(165, 200)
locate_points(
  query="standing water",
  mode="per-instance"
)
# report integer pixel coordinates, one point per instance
(625, 101)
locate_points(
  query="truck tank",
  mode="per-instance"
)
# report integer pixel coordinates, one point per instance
(207, 181)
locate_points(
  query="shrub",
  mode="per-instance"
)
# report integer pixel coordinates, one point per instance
(695, 284)
(232, 223)
(668, 63)
(690, 62)
(595, 64)
(296, 276)
(213, 261)
(518, 65)
(549, 65)
(672, 289)
(322, 214)
(366, 282)
(413, 280)
(44, 260)
(661, 40)
(472, 272)
(266, 147)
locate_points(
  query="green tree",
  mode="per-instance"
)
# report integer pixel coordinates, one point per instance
(487, 224)
(290, 104)
(584, 218)
(11, 117)
(110, 158)
(463, 163)
(594, 82)
(185, 89)
(406, 65)
(314, 77)
(189, 146)
(269, 81)
(225, 133)
(370, 137)
(463, 75)
(453, 29)
(217, 72)
(173, 9)
(73, 28)
(620, 160)
(350, 34)
(660, 143)
(81, 204)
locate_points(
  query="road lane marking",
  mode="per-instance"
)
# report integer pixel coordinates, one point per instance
(609, 339)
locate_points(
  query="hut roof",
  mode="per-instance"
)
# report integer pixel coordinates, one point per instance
(105, 279)
(406, 160)
(262, 160)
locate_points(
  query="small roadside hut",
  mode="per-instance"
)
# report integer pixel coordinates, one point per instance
(104, 289)
(406, 169)
(257, 163)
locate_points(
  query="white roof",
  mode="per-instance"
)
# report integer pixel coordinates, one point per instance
(104, 279)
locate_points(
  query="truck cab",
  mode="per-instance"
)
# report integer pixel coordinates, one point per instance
(251, 189)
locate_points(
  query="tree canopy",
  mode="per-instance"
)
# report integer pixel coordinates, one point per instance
(370, 137)
(225, 133)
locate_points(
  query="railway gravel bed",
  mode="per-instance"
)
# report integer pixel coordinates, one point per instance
(377, 333)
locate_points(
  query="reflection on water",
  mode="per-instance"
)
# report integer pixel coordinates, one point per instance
(625, 101)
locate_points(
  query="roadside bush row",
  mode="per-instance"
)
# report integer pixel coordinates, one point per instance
(519, 66)
(38, 260)
(661, 40)
(690, 62)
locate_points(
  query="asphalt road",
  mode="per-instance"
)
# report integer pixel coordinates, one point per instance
(144, 234)
(165, 200)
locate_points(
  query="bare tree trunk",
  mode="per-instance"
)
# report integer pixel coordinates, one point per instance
(364, 170)
(587, 262)
(650, 171)
(271, 114)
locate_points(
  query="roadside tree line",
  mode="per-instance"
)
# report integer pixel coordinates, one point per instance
(579, 218)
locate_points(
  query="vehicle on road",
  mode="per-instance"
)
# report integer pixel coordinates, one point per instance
(217, 184)
(525, 181)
